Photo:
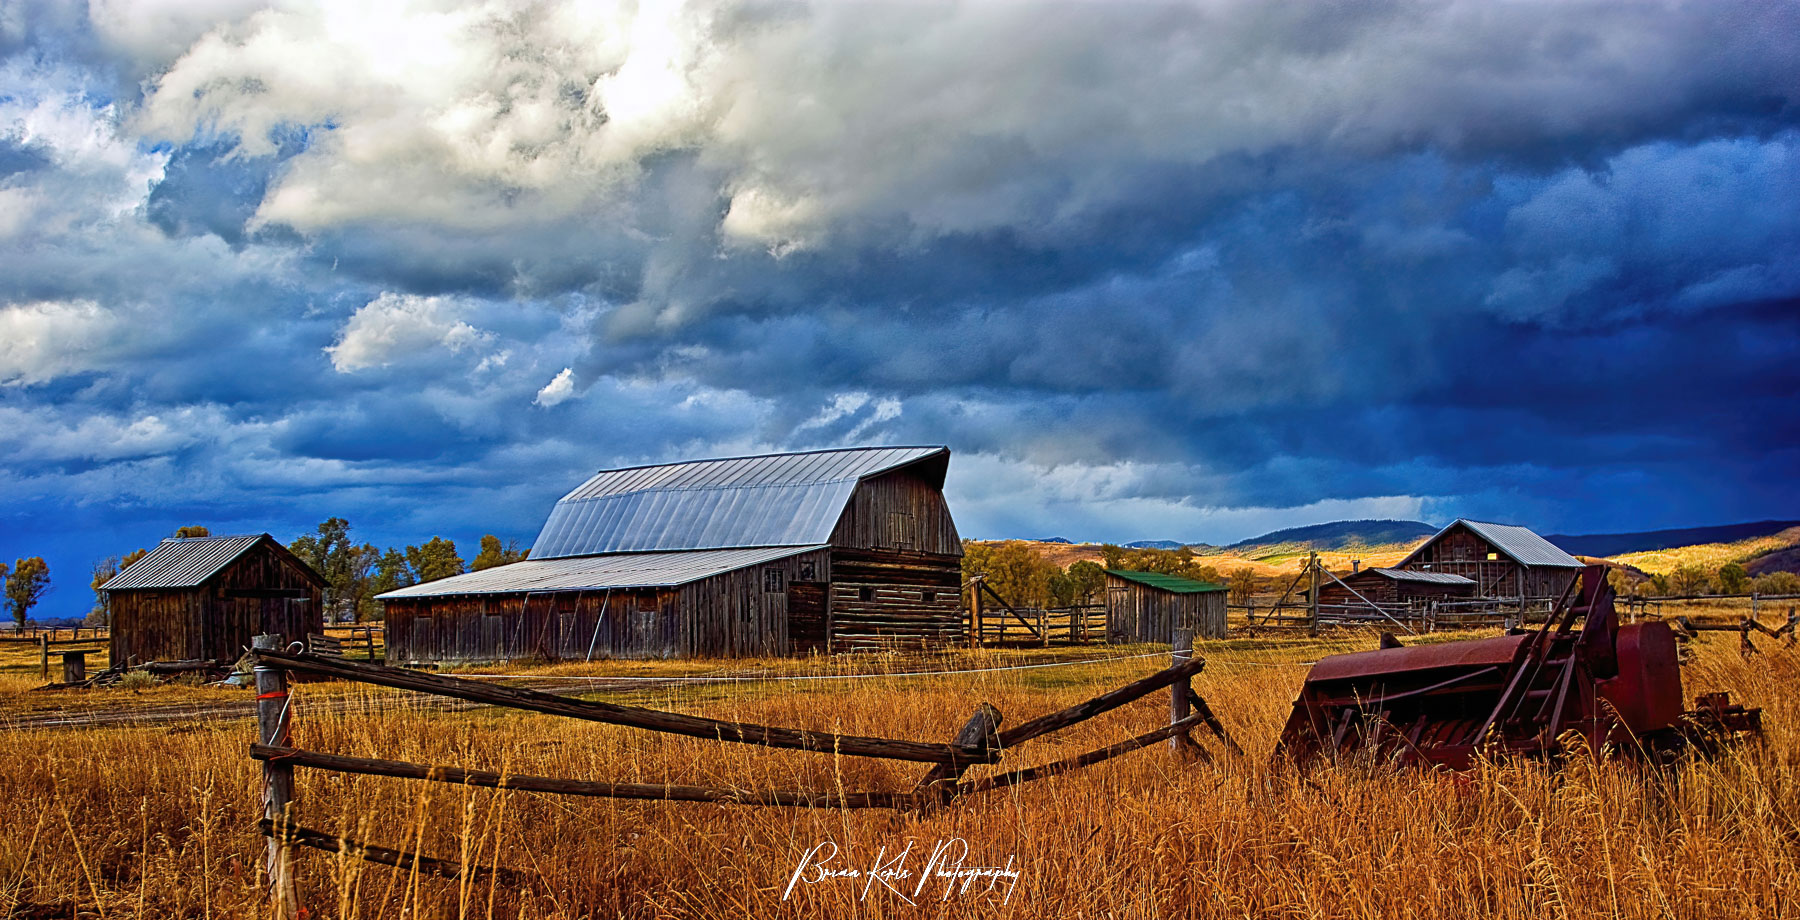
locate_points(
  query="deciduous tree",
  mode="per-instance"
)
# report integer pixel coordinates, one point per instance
(192, 530)
(27, 582)
(493, 553)
(436, 559)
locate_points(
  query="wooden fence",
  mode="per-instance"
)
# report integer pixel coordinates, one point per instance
(57, 634)
(979, 741)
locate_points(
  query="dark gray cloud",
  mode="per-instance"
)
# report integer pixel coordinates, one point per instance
(1154, 270)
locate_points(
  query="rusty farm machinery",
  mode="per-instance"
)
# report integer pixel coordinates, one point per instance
(1617, 686)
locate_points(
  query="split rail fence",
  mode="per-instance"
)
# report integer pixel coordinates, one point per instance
(979, 741)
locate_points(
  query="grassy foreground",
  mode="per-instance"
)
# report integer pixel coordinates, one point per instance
(158, 822)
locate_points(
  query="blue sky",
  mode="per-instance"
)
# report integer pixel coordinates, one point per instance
(1152, 270)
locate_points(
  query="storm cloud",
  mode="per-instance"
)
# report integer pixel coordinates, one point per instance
(1153, 270)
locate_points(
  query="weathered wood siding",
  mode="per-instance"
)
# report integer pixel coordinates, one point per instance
(262, 591)
(1463, 552)
(1140, 613)
(898, 512)
(1383, 590)
(895, 598)
(734, 614)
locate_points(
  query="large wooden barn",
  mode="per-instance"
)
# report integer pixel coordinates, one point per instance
(205, 597)
(1503, 560)
(769, 555)
(1148, 606)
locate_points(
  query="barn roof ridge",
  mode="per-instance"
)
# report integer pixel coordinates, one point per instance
(782, 499)
(184, 562)
(775, 453)
(1524, 545)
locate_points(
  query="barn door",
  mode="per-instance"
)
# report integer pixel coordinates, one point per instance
(806, 616)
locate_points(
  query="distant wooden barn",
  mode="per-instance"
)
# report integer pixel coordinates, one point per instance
(1148, 606)
(1503, 560)
(205, 597)
(1395, 586)
(768, 555)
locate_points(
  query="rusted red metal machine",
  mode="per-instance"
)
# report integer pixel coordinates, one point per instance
(1619, 686)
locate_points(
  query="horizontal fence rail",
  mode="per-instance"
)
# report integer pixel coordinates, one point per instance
(979, 741)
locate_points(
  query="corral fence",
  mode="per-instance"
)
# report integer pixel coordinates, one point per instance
(993, 620)
(979, 741)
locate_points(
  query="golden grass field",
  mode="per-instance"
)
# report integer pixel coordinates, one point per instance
(1709, 556)
(1266, 562)
(159, 821)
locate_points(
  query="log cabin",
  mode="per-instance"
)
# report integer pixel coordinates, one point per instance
(205, 597)
(778, 554)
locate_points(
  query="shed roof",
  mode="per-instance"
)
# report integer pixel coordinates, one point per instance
(790, 499)
(594, 573)
(1436, 578)
(1174, 583)
(187, 562)
(1521, 544)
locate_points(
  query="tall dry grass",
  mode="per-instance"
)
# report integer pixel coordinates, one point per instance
(158, 822)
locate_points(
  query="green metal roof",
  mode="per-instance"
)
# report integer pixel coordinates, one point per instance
(1174, 583)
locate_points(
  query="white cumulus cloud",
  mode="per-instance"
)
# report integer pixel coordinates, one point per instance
(395, 326)
(44, 340)
(558, 390)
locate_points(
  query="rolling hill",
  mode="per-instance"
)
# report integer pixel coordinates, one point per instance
(1339, 535)
(1618, 544)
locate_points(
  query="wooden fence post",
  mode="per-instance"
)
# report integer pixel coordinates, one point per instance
(975, 625)
(44, 651)
(273, 728)
(1180, 654)
(979, 735)
(1312, 568)
(74, 667)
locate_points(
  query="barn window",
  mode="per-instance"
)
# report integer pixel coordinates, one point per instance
(1493, 557)
(809, 570)
(865, 594)
(928, 596)
(774, 580)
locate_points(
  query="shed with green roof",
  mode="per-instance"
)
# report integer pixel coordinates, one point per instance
(1150, 606)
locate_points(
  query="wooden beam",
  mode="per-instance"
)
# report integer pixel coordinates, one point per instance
(979, 735)
(1016, 777)
(1105, 702)
(399, 859)
(612, 714)
(366, 766)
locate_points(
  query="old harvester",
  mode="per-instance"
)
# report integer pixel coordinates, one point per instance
(1617, 686)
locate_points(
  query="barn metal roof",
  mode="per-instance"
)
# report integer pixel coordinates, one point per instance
(771, 500)
(1174, 583)
(1436, 578)
(184, 562)
(591, 573)
(1521, 543)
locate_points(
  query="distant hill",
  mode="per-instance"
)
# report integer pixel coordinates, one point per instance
(1154, 544)
(1616, 544)
(1342, 535)
(1052, 540)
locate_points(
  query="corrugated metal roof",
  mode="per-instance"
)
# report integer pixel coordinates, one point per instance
(771, 500)
(1436, 578)
(183, 562)
(587, 573)
(1174, 583)
(1521, 543)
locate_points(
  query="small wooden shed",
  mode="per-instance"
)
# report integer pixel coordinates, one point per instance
(205, 597)
(1147, 607)
(1395, 586)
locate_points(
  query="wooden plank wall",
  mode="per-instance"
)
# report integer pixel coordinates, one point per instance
(727, 615)
(262, 591)
(898, 512)
(1139, 613)
(893, 598)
